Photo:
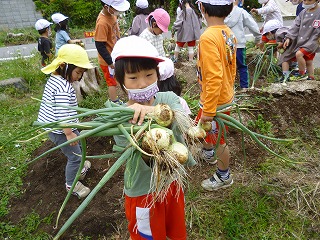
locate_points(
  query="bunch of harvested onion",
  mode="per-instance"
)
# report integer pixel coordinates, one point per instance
(167, 154)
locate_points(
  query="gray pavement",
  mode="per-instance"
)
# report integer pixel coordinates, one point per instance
(18, 14)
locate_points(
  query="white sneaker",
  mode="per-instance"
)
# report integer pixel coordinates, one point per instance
(208, 159)
(215, 183)
(85, 169)
(80, 190)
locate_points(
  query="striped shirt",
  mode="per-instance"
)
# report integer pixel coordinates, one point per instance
(155, 40)
(57, 91)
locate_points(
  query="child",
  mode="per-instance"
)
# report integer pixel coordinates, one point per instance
(158, 22)
(269, 11)
(44, 43)
(106, 35)
(216, 75)
(269, 31)
(169, 82)
(305, 30)
(139, 24)
(283, 60)
(187, 26)
(69, 66)
(237, 21)
(136, 70)
(61, 29)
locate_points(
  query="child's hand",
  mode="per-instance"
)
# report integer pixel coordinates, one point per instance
(140, 112)
(204, 119)
(254, 11)
(286, 43)
(71, 136)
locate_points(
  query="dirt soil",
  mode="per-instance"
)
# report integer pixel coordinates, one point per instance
(104, 218)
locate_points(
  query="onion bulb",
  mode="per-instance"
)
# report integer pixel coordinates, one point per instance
(281, 50)
(163, 115)
(207, 126)
(197, 132)
(179, 152)
(156, 139)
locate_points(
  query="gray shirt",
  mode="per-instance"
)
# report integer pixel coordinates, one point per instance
(306, 30)
(138, 25)
(187, 25)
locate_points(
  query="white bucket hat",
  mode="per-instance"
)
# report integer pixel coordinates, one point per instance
(134, 46)
(216, 2)
(58, 17)
(42, 24)
(271, 25)
(142, 4)
(119, 5)
(166, 68)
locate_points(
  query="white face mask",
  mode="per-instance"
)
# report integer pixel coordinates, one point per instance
(309, 6)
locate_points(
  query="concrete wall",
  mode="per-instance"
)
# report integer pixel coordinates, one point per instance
(17, 14)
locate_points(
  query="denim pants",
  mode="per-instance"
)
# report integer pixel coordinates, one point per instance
(242, 67)
(70, 152)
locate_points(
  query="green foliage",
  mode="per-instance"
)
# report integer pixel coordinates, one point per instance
(83, 14)
(263, 126)
(26, 68)
(26, 228)
(30, 35)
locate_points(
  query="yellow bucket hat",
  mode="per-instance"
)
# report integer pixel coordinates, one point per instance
(72, 54)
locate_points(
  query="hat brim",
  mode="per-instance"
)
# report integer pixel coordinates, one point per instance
(163, 28)
(157, 59)
(56, 63)
(122, 7)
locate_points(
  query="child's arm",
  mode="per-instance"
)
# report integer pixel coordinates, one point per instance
(136, 23)
(178, 23)
(252, 25)
(70, 135)
(74, 41)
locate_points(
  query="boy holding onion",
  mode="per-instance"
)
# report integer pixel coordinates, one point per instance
(216, 69)
(136, 70)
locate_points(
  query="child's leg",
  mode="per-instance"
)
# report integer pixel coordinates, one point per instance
(223, 155)
(176, 52)
(111, 82)
(310, 68)
(301, 62)
(190, 53)
(242, 67)
(72, 153)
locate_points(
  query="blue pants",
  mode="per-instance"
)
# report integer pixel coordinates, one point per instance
(242, 67)
(74, 161)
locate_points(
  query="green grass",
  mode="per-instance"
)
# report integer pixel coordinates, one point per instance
(245, 212)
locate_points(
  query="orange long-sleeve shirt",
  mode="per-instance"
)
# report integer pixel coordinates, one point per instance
(216, 68)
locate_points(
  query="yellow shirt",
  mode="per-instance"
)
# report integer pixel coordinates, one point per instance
(216, 68)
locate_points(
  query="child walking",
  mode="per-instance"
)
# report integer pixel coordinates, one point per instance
(158, 22)
(237, 21)
(136, 70)
(106, 35)
(44, 43)
(304, 35)
(216, 69)
(139, 22)
(61, 29)
(187, 26)
(69, 66)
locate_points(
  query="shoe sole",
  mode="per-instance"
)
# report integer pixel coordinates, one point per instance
(211, 162)
(215, 189)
